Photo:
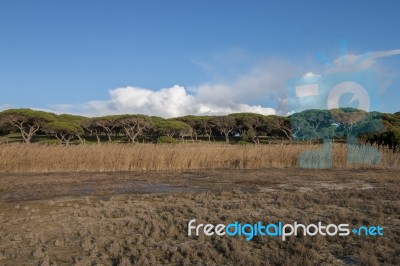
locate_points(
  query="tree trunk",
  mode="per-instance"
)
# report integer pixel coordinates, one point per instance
(60, 140)
(226, 138)
(131, 135)
(98, 138)
(25, 135)
(81, 139)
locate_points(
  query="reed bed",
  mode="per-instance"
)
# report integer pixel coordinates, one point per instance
(175, 157)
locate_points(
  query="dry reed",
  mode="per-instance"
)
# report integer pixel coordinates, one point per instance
(143, 157)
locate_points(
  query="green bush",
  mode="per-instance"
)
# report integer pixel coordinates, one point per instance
(166, 139)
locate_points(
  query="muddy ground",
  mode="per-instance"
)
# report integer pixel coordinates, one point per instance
(140, 218)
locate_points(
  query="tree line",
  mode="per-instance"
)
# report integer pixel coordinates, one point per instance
(309, 125)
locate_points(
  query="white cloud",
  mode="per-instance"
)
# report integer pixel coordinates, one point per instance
(352, 62)
(167, 102)
(264, 82)
(310, 74)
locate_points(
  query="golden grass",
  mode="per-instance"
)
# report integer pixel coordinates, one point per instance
(143, 157)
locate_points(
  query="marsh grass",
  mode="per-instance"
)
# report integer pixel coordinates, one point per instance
(176, 157)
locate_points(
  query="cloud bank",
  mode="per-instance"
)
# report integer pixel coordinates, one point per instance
(256, 91)
(167, 102)
(261, 90)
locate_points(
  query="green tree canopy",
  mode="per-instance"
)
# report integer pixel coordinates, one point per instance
(172, 128)
(225, 125)
(251, 125)
(133, 125)
(63, 131)
(27, 121)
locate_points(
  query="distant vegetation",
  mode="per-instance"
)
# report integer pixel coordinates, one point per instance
(26, 125)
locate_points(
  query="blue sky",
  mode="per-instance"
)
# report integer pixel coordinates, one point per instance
(178, 57)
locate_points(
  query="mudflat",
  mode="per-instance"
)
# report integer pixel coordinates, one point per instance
(123, 218)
